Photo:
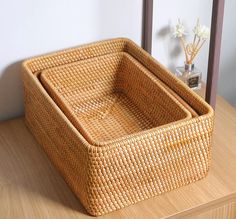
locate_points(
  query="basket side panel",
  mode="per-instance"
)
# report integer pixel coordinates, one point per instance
(75, 54)
(149, 166)
(146, 91)
(168, 78)
(60, 143)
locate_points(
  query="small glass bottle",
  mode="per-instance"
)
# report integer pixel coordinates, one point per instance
(190, 76)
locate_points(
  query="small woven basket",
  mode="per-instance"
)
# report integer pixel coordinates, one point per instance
(112, 96)
(129, 168)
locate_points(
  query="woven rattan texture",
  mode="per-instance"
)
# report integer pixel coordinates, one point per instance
(133, 169)
(111, 96)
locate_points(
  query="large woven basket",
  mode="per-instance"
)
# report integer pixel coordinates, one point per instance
(129, 169)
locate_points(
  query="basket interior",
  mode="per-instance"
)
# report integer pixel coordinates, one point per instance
(111, 96)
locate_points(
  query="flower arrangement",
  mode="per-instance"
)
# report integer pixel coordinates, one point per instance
(201, 34)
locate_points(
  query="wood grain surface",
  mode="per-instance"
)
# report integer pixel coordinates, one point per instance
(30, 187)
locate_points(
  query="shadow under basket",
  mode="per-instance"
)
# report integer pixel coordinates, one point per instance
(104, 115)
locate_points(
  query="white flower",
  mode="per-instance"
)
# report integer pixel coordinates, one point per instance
(179, 30)
(201, 31)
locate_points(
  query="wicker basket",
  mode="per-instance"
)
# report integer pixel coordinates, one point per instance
(130, 169)
(111, 96)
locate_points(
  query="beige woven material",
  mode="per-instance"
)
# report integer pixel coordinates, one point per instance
(111, 96)
(136, 167)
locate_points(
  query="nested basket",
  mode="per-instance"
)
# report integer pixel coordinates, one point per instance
(111, 96)
(136, 164)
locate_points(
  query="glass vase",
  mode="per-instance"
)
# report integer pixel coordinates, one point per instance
(190, 75)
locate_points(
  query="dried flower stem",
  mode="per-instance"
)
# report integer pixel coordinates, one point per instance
(184, 47)
(192, 50)
(197, 44)
(197, 51)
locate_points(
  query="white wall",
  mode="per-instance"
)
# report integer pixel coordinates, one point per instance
(30, 28)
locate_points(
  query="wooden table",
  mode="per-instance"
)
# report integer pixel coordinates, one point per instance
(30, 187)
